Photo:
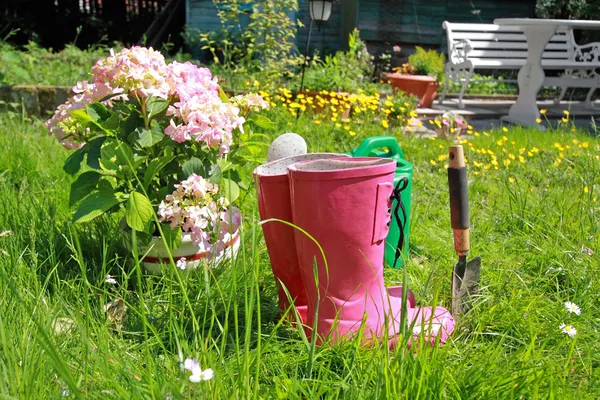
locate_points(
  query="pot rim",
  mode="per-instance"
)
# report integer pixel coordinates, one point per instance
(399, 76)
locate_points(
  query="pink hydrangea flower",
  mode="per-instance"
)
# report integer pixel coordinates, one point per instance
(193, 207)
(137, 70)
(63, 125)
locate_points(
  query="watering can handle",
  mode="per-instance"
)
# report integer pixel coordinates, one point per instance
(377, 142)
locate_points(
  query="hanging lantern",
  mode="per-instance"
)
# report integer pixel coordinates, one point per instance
(320, 11)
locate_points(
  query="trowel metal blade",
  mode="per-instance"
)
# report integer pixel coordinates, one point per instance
(465, 281)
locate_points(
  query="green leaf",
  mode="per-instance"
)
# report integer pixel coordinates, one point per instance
(224, 164)
(172, 236)
(94, 152)
(154, 167)
(131, 123)
(215, 174)
(84, 184)
(263, 122)
(232, 190)
(193, 166)
(148, 137)
(138, 211)
(98, 112)
(223, 95)
(108, 156)
(96, 204)
(82, 117)
(155, 106)
(124, 154)
(73, 162)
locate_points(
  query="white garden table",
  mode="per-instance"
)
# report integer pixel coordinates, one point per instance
(531, 76)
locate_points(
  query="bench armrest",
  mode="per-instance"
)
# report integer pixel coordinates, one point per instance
(459, 51)
(586, 53)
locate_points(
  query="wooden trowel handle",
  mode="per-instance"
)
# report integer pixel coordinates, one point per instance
(459, 199)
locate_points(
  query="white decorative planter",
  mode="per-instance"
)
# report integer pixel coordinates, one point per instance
(155, 255)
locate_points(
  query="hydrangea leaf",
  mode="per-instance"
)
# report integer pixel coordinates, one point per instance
(138, 211)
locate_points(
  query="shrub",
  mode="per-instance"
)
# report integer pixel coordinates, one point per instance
(427, 62)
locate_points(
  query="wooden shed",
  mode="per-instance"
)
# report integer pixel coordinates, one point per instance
(383, 23)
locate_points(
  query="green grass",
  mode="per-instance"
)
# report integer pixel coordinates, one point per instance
(529, 233)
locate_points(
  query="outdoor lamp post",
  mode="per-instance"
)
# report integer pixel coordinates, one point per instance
(320, 11)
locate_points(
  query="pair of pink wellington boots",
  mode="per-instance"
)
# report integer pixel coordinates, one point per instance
(344, 204)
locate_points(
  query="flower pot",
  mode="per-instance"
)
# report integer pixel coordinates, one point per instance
(423, 86)
(155, 255)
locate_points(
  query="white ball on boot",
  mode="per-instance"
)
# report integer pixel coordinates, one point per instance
(288, 144)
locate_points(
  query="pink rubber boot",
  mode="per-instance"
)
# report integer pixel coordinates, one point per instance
(345, 205)
(273, 189)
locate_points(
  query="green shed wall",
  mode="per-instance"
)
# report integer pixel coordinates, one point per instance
(381, 22)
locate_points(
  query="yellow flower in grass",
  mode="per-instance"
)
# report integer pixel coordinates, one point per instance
(431, 122)
(538, 121)
(586, 189)
(504, 129)
(486, 134)
(565, 119)
(256, 83)
(352, 133)
(511, 179)
(585, 145)
(530, 154)
(506, 163)
(521, 159)
(511, 156)
(477, 164)
(566, 112)
(476, 134)
(317, 122)
(575, 141)
(385, 123)
(432, 162)
(347, 127)
(543, 111)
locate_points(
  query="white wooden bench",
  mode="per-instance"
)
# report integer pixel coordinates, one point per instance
(492, 46)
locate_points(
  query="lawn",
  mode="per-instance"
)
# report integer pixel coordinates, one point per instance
(534, 213)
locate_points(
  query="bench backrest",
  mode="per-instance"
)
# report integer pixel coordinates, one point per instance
(493, 42)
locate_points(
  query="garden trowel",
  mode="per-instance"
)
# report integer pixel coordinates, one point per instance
(465, 275)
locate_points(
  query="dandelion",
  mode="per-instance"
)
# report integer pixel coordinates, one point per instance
(572, 308)
(511, 179)
(568, 330)
(566, 112)
(110, 279)
(197, 373)
(543, 111)
(585, 145)
(538, 120)
(385, 123)
(586, 190)
(181, 263)
(505, 129)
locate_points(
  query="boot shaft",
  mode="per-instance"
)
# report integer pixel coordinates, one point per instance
(345, 206)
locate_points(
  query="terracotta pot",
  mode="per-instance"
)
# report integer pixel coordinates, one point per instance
(155, 255)
(423, 86)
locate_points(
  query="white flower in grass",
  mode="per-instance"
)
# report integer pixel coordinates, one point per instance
(181, 263)
(110, 279)
(197, 373)
(572, 308)
(568, 330)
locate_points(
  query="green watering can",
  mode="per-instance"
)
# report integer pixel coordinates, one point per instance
(387, 147)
